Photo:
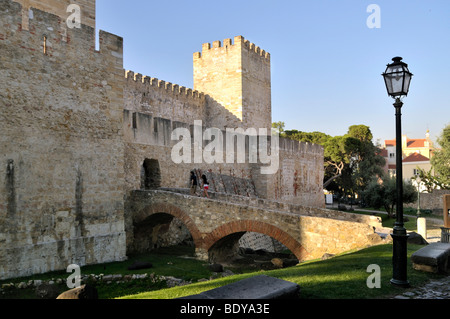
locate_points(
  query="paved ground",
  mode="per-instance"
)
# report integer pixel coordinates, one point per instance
(435, 289)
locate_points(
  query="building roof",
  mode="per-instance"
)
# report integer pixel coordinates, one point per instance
(390, 143)
(411, 143)
(416, 142)
(415, 157)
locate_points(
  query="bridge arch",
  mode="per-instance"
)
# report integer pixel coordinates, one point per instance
(242, 226)
(157, 211)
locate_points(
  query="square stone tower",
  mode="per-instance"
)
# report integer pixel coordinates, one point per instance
(237, 76)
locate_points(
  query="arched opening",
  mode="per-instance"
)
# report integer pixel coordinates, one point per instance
(251, 250)
(160, 230)
(150, 174)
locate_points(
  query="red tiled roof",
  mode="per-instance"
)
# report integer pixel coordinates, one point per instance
(390, 143)
(392, 166)
(415, 157)
(416, 143)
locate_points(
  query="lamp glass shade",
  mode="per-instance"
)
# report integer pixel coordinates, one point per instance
(397, 78)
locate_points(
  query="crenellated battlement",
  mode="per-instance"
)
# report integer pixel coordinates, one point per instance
(296, 147)
(239, 41)
(154, 83)
(45, 32)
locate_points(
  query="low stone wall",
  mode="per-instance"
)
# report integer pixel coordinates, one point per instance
(433, 201)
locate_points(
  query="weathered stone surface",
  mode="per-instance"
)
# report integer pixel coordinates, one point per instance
(47, 291)
(258, 287)
(416, 239)
(83, 292)
(433, 258)
(61, 141)
(277, 262)
(77, 131)
(217, 226)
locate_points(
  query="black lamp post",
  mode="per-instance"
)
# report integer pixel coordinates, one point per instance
(397, 78)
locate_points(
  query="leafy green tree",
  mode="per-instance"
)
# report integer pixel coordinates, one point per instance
(431, 181)
(441, 158)
(384, 194)
(367, 161)
(279, 125)
(350, 161)
(360, 132)
(338, 154)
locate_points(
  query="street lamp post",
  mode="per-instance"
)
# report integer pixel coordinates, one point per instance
(418, 195)
(397, 79)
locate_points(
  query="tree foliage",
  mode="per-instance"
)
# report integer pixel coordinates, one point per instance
(351, 160)
(441, 158)
(384, 194)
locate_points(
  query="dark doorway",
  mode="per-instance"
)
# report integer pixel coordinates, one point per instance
(150, 174)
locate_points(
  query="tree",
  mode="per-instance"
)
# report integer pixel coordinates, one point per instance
(441, 158)
(367, 161)
(314, 137)
(338, 153)
(431, 181)
(384, 194)
(360, 132)
(351, 161)
(279, 125)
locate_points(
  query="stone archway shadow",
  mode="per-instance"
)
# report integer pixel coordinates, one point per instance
(166, 208)
(241, 226)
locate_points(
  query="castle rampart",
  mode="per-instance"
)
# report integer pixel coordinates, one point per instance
(61, 108)
(79, 134)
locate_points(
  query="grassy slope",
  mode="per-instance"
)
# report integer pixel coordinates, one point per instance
(342, 277)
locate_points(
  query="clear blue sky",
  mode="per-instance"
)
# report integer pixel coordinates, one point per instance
(326, 61)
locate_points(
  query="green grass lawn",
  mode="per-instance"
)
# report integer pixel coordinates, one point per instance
(342, 277)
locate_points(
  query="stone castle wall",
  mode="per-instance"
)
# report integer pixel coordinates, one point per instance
(61, 159)
(78, 132)
(232, 90)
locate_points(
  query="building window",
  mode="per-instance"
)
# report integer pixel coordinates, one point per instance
(134, 120)
(391, 155)
(416, 172)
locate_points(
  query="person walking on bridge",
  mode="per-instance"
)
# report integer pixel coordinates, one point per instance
(205, 185)
(193, 183)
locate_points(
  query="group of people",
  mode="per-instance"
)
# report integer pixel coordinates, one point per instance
(194, 184)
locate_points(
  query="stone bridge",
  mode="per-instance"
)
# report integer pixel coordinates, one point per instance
(216, 224)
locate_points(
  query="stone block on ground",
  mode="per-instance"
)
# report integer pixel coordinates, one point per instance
(83, 292)
(258, 287)
(432, 258)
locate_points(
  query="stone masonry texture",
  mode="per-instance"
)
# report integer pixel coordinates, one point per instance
(79, 135)
(61, 113)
